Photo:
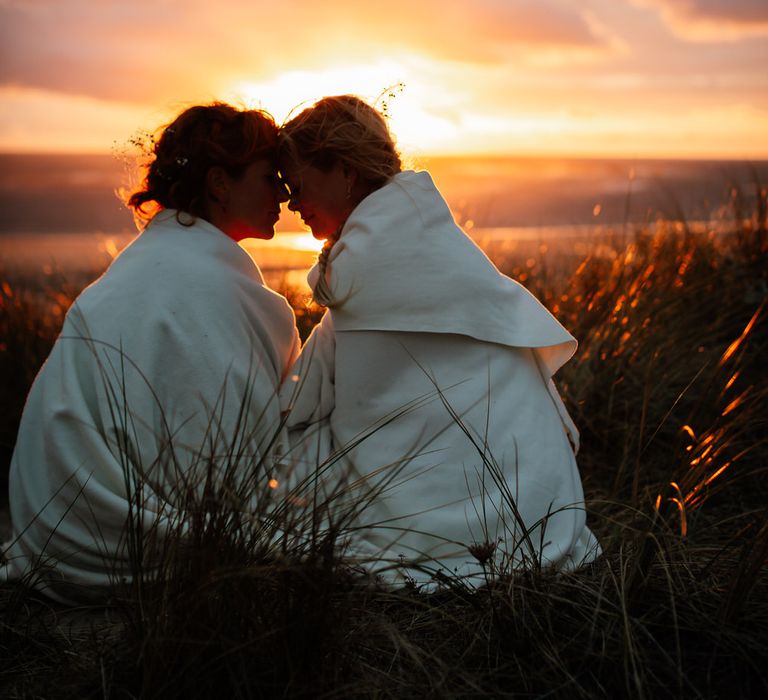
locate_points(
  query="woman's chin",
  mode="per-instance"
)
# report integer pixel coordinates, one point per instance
(318, 231)
(318, 234)
(261, 234)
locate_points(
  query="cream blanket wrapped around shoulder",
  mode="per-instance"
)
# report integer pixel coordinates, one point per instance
(402, 264)
(427, 392)
(171, 359)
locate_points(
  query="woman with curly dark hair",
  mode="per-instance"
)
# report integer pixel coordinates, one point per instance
(166, 369)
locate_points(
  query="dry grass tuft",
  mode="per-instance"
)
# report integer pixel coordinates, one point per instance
(670, 392)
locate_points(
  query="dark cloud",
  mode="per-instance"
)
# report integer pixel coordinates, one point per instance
(713, 19)
(741, 11)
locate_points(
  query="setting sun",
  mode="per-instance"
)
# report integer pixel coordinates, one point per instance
(290, 91)
(391, 86)
(504, 428)
(635, 78)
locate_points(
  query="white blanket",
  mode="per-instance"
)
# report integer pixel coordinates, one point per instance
(148, 378)
(402, 264)
(427, 389)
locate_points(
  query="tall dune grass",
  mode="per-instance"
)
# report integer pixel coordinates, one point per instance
(669, 390)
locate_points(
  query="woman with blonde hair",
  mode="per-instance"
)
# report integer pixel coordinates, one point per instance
(166, 370)
(427, 387)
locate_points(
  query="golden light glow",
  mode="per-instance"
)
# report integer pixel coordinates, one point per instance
(680, 503)
(508, 78)
(734, 346)
(289, 92)
(411, 120)
(283, 242)
(732, 381)
(303, 241)
(736, 402)
(714, 476)
(82, 124)
(110, 247)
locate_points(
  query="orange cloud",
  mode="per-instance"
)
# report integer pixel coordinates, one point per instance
(480, 75)
(120, 51)
(145, 49)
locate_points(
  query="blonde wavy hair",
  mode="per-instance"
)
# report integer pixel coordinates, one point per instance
(340, 129)
(345, 129)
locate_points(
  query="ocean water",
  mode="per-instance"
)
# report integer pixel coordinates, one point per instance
(63, 210)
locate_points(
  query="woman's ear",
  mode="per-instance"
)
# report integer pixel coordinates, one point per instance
(351, 176)
(217, 184)
(350, 173)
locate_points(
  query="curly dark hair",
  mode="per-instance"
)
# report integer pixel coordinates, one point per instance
(201, 137)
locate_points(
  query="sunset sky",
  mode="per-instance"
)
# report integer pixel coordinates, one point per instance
(568, 77)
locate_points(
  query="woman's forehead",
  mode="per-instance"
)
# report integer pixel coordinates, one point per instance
(290, 166)
(299, 170)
